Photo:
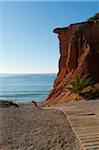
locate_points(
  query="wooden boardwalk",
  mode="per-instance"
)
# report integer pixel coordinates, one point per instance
(84, 120)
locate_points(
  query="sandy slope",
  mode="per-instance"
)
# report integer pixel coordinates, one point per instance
(33, 129)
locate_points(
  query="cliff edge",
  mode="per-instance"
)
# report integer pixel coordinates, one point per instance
(79, 55)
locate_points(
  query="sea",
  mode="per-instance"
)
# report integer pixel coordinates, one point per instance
(25, 87)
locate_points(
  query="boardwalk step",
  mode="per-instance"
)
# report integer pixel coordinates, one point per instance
(84, 121)
(88, 136)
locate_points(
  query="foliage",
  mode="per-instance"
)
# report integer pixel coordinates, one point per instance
(98, 51)
(78, 84)
(96, 17)
(91, 95)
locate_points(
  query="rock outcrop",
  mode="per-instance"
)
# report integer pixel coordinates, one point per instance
(5, 104)
(79, 55)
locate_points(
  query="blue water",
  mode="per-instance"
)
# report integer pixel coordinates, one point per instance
(26, 87)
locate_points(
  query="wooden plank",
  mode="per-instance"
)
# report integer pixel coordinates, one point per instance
(84, 120)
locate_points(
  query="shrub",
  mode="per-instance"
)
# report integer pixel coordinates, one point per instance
(95, 17)
(78, 84)
(90, 95)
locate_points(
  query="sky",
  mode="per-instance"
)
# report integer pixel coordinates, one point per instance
(27, 41)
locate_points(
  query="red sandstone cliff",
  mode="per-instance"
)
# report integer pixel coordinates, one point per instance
(79, 55)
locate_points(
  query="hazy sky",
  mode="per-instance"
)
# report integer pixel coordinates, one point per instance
(27, 41)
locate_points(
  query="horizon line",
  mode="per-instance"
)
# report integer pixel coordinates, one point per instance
(30, 73)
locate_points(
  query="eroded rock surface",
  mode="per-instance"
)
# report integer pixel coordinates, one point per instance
(79, 55)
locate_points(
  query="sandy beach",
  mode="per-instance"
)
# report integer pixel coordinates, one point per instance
(27, 128)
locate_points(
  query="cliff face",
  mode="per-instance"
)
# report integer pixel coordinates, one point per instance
(79, 55)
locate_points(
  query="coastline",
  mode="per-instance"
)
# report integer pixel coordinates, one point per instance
(26, 87)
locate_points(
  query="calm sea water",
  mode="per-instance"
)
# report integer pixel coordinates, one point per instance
(24, 88)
